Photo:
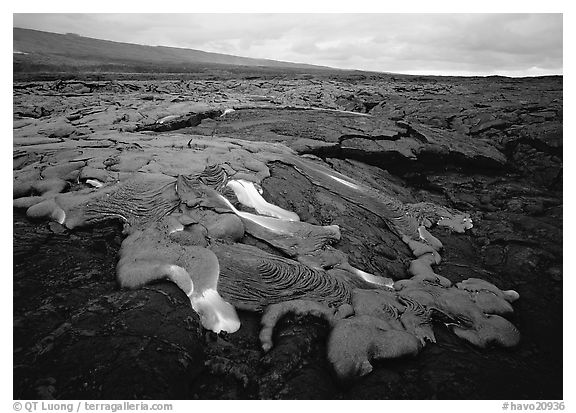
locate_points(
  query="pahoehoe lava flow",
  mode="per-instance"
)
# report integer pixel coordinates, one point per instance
(252, 228)
(155, 207)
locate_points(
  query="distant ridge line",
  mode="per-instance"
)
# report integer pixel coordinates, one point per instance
(47, 48)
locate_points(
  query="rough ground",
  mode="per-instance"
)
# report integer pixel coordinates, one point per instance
(490, 147)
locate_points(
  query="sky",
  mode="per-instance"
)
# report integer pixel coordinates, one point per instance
(514, 45)
(436, 44)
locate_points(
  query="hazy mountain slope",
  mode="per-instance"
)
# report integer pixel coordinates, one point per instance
(52, 49)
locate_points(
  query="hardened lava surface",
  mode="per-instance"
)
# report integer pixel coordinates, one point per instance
(97, 163)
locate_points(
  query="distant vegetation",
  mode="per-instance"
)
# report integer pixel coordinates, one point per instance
(50, 56)
(43, 52)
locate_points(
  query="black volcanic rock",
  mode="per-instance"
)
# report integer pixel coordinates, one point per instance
(125, 345)
(491, 148)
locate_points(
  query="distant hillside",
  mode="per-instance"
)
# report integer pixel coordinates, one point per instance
(36, 51)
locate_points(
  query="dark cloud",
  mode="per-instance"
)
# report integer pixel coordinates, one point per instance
(510, 44)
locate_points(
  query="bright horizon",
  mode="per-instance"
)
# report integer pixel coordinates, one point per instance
(514, 45)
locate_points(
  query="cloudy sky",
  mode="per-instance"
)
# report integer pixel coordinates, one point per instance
(450, 44)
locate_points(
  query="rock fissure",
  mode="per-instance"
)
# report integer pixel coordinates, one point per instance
(213, 209)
